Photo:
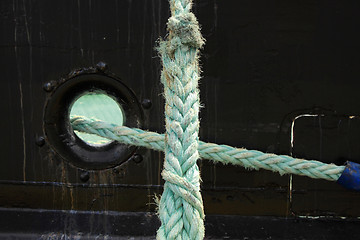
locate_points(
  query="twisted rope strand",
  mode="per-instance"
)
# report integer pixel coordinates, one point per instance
(181, 208)
(250, 159)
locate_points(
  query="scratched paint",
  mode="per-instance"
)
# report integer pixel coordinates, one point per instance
(262, 68)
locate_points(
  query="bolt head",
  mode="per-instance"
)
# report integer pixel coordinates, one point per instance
(101, 66)
(84, 176)
(40, 141)
(48, 87)
(137, 158)
(146, 103)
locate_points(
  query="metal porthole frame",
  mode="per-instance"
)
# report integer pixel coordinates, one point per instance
(59, 133)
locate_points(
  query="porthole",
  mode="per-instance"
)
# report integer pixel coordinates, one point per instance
(100, 106)
(83, 94)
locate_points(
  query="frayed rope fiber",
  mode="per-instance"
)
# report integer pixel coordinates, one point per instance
(250, 159)
(181, 207)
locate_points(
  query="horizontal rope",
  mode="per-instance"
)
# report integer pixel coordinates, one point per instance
(250, 159)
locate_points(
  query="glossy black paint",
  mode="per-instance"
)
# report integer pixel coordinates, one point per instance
(140, 225)
(278, 76)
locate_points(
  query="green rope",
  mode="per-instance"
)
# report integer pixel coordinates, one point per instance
(181, 207)
(100, 106)
(250, 159)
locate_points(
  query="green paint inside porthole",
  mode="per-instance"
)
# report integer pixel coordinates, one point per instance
(98, 106)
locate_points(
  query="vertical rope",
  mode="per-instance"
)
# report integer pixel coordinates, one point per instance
(181, 207)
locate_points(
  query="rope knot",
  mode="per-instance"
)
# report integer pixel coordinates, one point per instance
(184, 29)
(185, 189)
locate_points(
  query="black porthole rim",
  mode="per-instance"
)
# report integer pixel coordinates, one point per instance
(60, 135)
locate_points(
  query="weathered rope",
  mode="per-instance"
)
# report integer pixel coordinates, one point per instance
(250, 159)
(181, 207)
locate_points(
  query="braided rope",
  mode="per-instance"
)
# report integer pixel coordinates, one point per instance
(181, 208)
(250, 159)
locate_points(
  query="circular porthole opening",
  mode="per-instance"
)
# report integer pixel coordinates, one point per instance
(99, 106)
(92, 95)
